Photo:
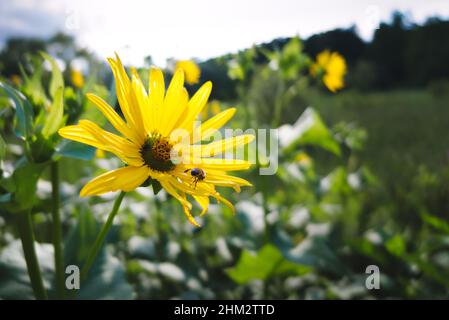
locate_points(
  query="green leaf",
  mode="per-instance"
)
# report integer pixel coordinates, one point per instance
(25, 179)
(396, 245)
(32, 87)
(309, 129)
(317, 253)
(42, 148)
(5, 198)
(57, 81)
(436, 222)
(24, 111)
(75, 150)
(319, 135)
(2, 148)
(54, 120)
(291, 59)
(156, 186)
(266, 263)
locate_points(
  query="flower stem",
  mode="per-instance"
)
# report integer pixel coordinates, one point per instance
(264, 192)
(278, 104)
(57, 231)
(101, 236)
(27, 237)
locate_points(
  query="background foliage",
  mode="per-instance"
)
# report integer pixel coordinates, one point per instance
(363, 175)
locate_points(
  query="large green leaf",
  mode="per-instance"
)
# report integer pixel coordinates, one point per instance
(54, 120)
(24, 111)
(25, 180)
(316, 252)
(57, 81)
(267, 262)
(309, 129)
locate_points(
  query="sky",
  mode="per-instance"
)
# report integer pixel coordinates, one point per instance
(200, 29)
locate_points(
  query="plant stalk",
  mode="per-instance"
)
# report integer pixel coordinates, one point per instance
(26, 232)
(57, 231)
(101, 236)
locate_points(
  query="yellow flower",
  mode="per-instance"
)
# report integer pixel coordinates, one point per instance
(213, 107)
(77, 78)
(334, 67)
(155, 127)
(191, 70)
(16, 80)
(303, 159)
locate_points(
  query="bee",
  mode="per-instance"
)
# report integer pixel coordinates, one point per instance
(197, 174)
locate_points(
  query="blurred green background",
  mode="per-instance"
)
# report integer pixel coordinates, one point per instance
(365, 183)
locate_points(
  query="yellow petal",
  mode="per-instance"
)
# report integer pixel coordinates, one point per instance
(225, 180)
(125, 179)
(127, 101)
(89, 133)
(203, 202)
(172, 102)
(122, 84)
(220, 146)
(140, 99)
(195, 105)
(156, 92)
(227, 203)
(190, 217)
(221, 164)
(166, 184)
(209, 127)
(110, 139)
(186, 206)
(181, 114)
(186, 185)
(213, 177)
(112, 117)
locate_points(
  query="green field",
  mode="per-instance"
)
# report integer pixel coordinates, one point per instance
(405, 129)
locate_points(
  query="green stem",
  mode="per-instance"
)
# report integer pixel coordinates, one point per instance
(29, 251)
(57, 231)
(266, 210)
(101, 236)
(278, 104)
(264, 187)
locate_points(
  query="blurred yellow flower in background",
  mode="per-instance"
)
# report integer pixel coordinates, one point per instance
(215, 107)
(332, 67)
(303, 159)
(146, 143)
(192, 71)
(77, 78)
(212, 108)
(16, 80)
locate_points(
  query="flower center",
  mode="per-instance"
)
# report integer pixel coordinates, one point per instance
(156, 153)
